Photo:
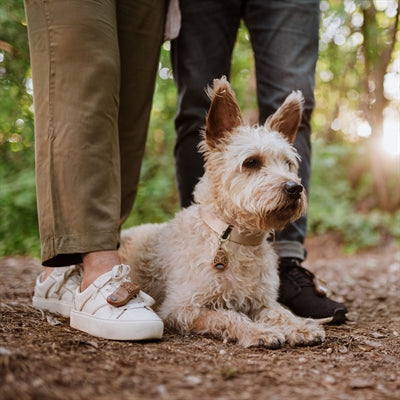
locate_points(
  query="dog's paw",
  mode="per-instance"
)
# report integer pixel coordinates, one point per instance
(308, 333)
(268, 339)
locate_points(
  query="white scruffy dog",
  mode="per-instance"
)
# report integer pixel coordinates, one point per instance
(211, 269)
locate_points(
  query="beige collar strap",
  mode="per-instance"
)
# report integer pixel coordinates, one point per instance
(220, 227)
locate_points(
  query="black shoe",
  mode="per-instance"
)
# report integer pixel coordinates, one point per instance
(304, 296)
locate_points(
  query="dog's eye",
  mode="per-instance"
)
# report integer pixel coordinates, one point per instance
(290, 165)
(252, 163)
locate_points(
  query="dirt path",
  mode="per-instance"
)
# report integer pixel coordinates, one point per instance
(41, 357)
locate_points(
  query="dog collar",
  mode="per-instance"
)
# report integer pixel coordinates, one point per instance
(228, 232)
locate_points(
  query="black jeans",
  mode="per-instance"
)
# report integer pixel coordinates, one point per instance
(284, 38)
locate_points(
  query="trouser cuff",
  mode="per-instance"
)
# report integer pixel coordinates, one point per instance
(290, 249)
(68, 249)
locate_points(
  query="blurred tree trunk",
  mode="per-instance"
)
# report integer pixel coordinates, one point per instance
(377, 55)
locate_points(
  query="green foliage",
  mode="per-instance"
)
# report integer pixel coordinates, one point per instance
(357, 43)
(156, 199)
(243, 76)
(340, 199)
(16, 118)
(18, 220)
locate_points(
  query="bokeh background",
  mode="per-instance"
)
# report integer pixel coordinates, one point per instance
(355, 187)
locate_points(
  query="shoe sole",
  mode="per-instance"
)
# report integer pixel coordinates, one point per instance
(52, 305)
(116, 330)
(337, 319)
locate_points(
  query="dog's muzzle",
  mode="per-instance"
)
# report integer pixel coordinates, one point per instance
(293, 189)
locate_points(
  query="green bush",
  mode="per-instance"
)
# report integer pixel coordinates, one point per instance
(18, 219)
(342, 197)
(156, 199)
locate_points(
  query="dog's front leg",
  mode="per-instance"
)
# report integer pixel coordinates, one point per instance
(231, 325)
(297, 331)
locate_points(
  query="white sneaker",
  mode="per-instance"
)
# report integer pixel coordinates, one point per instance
(112, 307)
(56, 292)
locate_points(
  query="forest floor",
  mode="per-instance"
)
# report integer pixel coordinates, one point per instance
(42, 357)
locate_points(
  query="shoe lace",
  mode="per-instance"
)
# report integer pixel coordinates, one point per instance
(76, 274)
(71, 277)
(301, 276)
(120, 272)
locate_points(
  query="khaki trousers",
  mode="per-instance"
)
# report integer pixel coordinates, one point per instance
(94, 64)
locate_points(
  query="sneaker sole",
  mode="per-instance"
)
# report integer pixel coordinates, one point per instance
(116, 330)
(52, 305)
(337, 319)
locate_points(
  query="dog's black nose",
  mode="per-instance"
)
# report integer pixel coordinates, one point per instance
(293, 189)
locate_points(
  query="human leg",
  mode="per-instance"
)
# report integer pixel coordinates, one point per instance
(140, 29)
(201, 53)
(73, 49)
(284, 36)
(140, 32)
(79, 192)
(76, 72)
(70, 132)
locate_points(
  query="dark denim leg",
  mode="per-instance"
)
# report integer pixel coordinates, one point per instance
(201, 53)
(284, 36)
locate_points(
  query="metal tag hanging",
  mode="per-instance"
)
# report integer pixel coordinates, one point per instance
(221, 258)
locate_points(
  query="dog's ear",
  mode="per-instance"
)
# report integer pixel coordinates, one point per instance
(286, 119)
(224, 114)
